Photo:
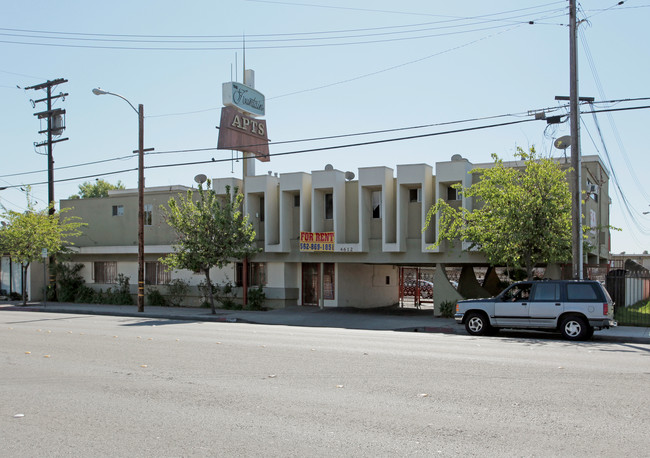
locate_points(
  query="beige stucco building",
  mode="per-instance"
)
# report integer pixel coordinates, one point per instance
(376, 219)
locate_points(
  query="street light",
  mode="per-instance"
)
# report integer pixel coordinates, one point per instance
(140, 112)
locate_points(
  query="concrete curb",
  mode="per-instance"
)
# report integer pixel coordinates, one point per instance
(311, 318)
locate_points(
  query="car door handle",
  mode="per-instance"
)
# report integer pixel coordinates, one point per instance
(558, 303)
(524, 304)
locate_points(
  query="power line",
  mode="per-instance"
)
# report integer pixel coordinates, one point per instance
(325, 148)
(510, 21)
(333, 137)
(141, 38)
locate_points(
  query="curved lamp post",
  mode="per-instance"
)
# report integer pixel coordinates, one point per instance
(140, 112)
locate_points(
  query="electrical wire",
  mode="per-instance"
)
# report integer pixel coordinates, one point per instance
(629, 213)
(512, 20)
(285, 142)
(139, 38)
(419, 13)
(325, 148)
(612, 124)
(329, 137)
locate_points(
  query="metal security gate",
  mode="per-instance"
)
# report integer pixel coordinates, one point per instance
(416, 286)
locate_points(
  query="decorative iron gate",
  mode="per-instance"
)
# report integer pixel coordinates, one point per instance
(416, 286)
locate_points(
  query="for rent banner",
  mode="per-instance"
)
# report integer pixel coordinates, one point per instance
(317, 241)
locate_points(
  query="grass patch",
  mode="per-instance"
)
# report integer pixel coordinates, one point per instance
(634, 315)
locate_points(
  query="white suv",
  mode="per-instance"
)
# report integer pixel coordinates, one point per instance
(575, 308)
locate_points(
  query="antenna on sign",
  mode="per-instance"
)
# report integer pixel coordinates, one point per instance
(244, 57)
(235, 66)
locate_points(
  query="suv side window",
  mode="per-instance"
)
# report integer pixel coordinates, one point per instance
(581, 292)
(519, 292)
(547, 292)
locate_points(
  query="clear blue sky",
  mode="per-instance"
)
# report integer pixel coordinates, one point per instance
(327, 68)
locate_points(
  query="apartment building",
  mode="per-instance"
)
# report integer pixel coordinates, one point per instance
(331, 238)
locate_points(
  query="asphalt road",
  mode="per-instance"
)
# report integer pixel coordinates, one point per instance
(78, 385)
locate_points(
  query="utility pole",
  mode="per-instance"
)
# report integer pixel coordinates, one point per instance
(141, 208)
(576, 156)
(55, 126)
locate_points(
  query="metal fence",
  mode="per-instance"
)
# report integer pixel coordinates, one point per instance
(630, 291)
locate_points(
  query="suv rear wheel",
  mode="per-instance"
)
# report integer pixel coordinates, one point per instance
(477, 324)
(575, 327)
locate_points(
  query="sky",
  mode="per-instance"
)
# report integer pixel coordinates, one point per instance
(339, 69)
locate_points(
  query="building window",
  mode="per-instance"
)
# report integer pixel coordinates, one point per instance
(148, 214)
(262, 209)
(328, 281)
(453, 194)
(296, 200)
(376, 204)
(415, 195)
(329, 206)
(155, 273)
(105, 271)
(118, 210)
(256, 274)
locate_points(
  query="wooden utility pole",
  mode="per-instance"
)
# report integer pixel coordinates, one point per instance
(576, 157)
(55, 125)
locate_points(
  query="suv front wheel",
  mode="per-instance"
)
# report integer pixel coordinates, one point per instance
(575, 328)
(477, 324)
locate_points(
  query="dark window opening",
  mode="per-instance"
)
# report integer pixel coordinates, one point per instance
(256, 274)
(148, 214)
(329, 206)
(105, 272)
(453, 193)
(376, 204)
(155, 273)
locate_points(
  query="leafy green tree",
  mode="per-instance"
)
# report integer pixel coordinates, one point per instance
(522, 216)
(212, 231)
(99, 188)
(24, 235)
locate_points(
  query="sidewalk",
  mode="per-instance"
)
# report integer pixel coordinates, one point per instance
(396, 319)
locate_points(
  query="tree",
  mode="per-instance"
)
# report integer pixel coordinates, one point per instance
(99, 188)
(522, 216)
(212, 232)
(24, 236)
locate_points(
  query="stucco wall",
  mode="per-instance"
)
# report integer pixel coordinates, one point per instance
(364, 286)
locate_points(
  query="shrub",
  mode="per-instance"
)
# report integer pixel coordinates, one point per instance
(121, 295)
(154, 297)
(447, 309)
(223, 294)
(177, 289)
(85, 295)
(69, 280)
(256, 298)
(14, 296)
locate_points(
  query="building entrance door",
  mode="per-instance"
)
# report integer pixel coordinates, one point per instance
(310, 283)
